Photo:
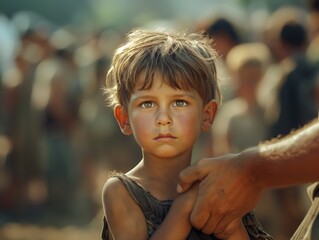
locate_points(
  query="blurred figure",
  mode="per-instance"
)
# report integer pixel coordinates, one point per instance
(25, 192)
(57, 95)
(97, 122)
(8, 44)
(240, 123)
(98, 127)
(281, 57)
(225, 35)
(296, 101)
(290, 81)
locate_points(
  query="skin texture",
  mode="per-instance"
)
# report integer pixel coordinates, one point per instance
(230, 185)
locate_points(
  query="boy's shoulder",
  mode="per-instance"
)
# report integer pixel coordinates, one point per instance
(114, 188)
(120, 209)
(116, 200)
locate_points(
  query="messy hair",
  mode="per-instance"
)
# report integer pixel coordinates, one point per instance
(183, 61)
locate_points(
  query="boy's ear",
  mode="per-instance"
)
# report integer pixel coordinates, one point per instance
(122, 119)
(210, 111)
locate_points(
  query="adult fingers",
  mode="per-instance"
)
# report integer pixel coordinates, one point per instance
(202, 209)
(199, 215)
(224, 226)
(229, 229)
(213, 224)
(190, 175)
(226, 223)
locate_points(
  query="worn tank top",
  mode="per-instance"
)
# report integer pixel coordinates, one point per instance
(155, 211)
(309, 227)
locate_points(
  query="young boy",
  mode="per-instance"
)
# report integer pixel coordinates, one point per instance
(164, 90)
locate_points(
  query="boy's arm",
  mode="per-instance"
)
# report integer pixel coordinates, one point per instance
(176, 224)
(124, 217)
(126, 220)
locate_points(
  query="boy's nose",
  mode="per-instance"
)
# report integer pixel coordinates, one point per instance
(163, 119)
(163, 123)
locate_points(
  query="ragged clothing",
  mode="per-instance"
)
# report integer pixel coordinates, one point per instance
(309, 227)
(155, 212)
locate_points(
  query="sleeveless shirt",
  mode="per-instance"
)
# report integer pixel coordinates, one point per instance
(155, 211)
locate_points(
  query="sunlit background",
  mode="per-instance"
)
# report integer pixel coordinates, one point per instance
(58, 140)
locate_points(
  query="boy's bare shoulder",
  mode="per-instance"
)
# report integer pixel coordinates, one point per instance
(122, 212)
(114, 189)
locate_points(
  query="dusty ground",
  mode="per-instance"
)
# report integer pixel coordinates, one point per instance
(33, 232)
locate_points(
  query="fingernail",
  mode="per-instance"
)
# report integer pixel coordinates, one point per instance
(179, 188)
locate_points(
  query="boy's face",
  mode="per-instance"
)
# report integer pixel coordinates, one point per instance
(165, 122)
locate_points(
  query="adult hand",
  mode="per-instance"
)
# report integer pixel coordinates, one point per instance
(227, 191)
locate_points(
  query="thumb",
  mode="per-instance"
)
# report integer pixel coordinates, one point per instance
(189, 176)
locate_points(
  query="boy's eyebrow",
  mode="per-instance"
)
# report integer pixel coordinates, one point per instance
(181, 95)
(136, 97)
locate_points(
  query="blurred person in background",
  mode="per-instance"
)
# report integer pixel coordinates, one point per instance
(225, 35)
(240, 123)
(101, 147)
(93, 58)
(296, 101)
(57, 95)
(8, 44)
(290, 80)
(24, 195)
(297, 104)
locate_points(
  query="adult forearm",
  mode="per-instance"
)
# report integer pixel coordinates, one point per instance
(289, 161)
(230, 185)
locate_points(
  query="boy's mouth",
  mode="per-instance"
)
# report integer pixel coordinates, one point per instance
(164, 136)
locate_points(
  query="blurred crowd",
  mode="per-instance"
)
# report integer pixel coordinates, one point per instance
(58, 140)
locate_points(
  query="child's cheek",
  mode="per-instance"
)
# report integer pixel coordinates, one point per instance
(141, 123)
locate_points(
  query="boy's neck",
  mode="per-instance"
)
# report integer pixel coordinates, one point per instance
(159, 176)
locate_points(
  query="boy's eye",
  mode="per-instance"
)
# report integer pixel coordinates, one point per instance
(147, 104)
(180, 103)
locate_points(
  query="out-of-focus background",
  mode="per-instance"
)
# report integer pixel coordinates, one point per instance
(58, 140)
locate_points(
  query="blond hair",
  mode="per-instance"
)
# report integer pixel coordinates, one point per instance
(184, 62)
